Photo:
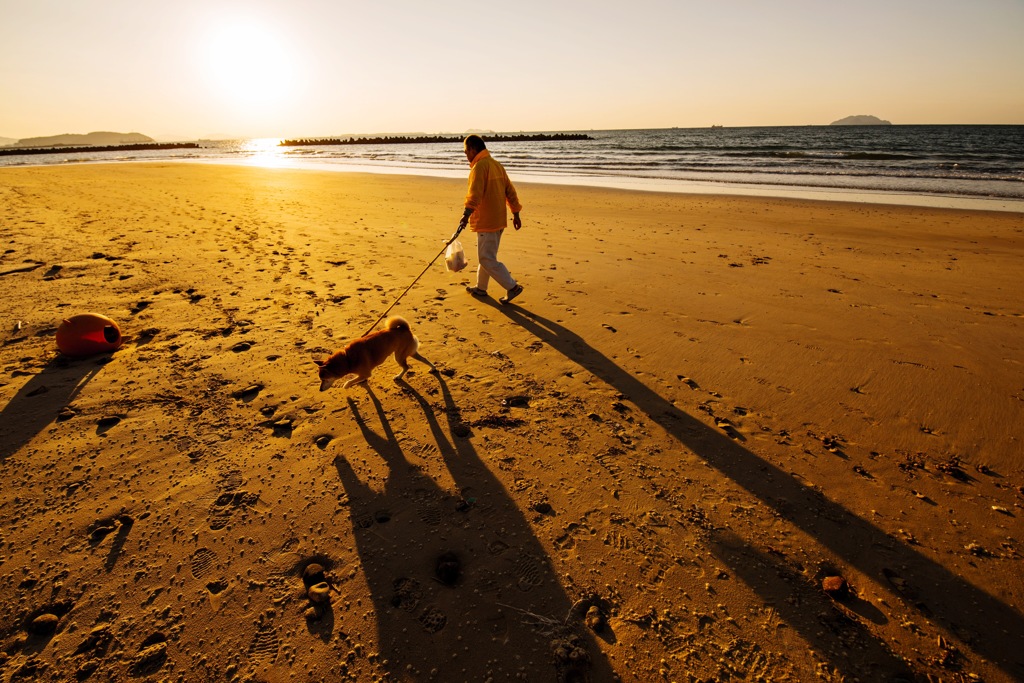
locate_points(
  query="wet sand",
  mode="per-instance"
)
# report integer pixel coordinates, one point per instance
(717, 437)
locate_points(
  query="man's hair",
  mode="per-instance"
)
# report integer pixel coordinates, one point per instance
(475, 142)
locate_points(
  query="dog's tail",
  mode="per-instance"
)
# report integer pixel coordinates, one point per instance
(396, 323)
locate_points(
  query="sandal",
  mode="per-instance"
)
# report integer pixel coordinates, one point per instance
(512, 294)
(476, 291)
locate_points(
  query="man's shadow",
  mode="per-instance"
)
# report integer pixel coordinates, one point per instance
(458, 577)
(990, 626)
(43, 400)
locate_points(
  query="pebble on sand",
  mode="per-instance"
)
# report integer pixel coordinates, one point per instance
(313, 574)
(44, 624)
(835, 586)
(594, 619)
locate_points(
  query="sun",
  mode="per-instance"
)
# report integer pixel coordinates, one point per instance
(248, 64)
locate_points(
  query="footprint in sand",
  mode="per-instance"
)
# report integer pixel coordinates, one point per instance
(528, 572)
(607, 461)
(202, 562)
(105, 424)
(619, 540)
(248, 393)
(227, 503)
(407, 594)
(265, 645)
(92, 650)
(433, 620)
(653, 573)
(101, 530)
(565, 542)
(97, 641)
(497, 547)
(151, 657)
(362, 520)
(230, 480)
(428, 508)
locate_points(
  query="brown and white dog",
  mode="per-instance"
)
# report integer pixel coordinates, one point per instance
(364, 354)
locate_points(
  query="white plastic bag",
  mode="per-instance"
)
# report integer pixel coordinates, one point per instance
(455, 257)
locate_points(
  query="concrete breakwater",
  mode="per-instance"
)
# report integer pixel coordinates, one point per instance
(423, 139)
(10, 151)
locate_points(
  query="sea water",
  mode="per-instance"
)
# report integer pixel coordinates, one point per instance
(936, 161)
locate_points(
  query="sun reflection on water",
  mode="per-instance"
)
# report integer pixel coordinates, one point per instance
(266, 152)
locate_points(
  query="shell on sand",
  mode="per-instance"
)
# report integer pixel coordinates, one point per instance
(319, 592)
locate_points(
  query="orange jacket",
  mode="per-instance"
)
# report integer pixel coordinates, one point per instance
(489, 191)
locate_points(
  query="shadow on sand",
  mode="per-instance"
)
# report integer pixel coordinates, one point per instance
(991, 627)
(42, 400)
(459, 577)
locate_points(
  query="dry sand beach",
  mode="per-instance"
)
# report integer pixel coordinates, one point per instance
(716, 439)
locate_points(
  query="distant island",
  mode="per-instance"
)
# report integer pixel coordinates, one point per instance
(861, 120)
(98, 138)
(421, 139)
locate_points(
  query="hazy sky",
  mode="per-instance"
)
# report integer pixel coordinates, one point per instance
(187, 69)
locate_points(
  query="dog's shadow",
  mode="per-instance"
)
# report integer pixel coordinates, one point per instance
(457, 571)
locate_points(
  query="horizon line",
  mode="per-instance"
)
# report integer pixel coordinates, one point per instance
(479, 131)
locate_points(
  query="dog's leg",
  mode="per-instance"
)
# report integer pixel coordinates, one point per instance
(404, 364)
(421, 359)
(355, 380)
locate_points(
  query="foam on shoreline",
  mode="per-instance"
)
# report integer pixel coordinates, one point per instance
(648, 184)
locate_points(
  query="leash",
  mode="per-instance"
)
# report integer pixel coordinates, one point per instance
(388, 310)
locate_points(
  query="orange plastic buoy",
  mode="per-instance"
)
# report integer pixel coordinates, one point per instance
(88, 334)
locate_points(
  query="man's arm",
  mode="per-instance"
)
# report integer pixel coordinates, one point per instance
(512, 198)
(473, 196)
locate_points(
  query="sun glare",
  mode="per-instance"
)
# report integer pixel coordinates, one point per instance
(248, 65)
(265, 152)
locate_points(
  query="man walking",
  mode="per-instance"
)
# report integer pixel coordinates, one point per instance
(489, 191)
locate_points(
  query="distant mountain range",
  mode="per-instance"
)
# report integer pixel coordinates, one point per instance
(861, 120)
(98, 138)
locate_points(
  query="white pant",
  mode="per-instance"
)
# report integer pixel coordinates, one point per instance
(490, 267)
